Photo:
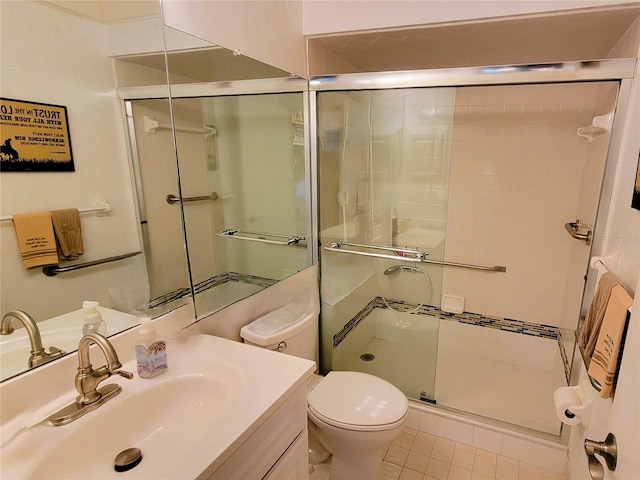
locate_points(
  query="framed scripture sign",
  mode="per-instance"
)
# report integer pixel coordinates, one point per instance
(34, 137)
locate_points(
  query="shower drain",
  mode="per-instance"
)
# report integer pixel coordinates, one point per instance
(367, 357)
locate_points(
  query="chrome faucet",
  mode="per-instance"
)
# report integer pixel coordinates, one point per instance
(38, 355)
(87, 380)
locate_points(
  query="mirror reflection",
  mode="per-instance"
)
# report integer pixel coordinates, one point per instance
(243, 170)
(244, 153)
(253, 230)
(68, 62)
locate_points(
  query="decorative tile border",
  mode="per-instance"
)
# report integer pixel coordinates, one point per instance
(210, 283)
(243, 277)
(506, 324)
(351, 324)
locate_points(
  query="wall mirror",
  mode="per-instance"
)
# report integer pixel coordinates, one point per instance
(117, 140)
(68, 62)
(240, 137)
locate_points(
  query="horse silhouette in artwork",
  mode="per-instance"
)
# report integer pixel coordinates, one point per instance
(8, 150)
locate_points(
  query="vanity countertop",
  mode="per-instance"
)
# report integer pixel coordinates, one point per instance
(187, 421)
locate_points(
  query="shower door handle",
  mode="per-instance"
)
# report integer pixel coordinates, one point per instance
(171, 198)
(579, 231)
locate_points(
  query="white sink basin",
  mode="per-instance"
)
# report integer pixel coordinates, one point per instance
(184, 421)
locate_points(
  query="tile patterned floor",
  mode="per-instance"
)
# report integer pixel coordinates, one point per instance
(418, 455)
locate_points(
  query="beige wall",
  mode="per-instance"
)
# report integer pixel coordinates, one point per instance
(270, 32)
(329, 16)
(50, 65)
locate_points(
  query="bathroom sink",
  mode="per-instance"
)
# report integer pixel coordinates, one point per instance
(184, 421)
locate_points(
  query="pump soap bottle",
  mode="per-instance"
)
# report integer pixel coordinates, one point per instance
(93, 322)
(151, 352)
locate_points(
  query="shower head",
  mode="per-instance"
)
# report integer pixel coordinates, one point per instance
(396, 268)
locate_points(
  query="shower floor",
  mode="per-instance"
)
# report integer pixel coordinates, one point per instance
(498, 374)
(493, 373)
(404, 347)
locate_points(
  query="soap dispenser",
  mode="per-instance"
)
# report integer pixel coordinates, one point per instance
(93, 322)
(151, 352)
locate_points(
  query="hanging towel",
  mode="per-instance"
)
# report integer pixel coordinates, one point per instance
(604, 363)
(591, 328)
(68, 232)
(36, 241)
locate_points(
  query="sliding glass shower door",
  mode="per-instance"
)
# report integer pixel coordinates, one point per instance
(446, 264)
(384, 176)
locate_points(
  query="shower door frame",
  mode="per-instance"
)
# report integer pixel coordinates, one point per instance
(619, 70)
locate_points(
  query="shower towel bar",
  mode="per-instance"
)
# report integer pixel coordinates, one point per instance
(399, 251)
(171, 198)
(601, 265)
(53, 270)
(420, 256)
(413, 251)
(291, 240)
(102, 208)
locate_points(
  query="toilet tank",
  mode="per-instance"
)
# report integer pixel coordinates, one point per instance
(286, 330)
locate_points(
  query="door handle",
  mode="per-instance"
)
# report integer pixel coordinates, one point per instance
(607, 449)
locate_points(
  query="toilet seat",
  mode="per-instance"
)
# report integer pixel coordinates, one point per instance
(357, 401)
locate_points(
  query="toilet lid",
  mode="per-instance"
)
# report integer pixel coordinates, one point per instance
(357, 399)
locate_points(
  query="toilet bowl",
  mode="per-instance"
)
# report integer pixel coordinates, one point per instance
(354, 416)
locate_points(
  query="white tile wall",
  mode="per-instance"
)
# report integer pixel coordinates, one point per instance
(516, 179)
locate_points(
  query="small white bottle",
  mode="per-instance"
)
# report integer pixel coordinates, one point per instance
(93, 322)
(151, 352)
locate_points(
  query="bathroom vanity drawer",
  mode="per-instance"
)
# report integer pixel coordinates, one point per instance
(265, 447)
(294, 464)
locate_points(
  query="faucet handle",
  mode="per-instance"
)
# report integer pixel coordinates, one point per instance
(123, 373)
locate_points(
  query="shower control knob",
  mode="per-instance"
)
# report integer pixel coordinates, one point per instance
(282, 346)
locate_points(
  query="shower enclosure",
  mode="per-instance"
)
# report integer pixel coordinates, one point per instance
(446, 199)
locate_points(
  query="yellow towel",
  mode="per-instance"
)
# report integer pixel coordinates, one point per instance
(595, 315)
(604, 363)
(68, 232)
(36, 241)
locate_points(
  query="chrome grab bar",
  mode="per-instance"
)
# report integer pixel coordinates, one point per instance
(260, 237)
(171, 198)
(579, 231)
(419, 256)
(53, 270)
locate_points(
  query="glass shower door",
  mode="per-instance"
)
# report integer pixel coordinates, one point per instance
(383, 161)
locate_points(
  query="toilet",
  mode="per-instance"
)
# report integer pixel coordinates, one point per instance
(354, 416)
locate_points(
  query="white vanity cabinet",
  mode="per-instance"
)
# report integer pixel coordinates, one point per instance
(277, 449)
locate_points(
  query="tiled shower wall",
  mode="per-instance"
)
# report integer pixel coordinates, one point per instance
(517, 172)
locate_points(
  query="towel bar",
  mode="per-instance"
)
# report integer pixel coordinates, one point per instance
(102, 208)
(399, 254)
(291, 240)
(53, 270)
(586, 360)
